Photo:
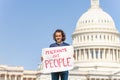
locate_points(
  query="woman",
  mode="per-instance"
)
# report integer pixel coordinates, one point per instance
(59, 38)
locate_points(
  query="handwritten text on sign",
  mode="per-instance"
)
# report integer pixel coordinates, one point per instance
(57, 59)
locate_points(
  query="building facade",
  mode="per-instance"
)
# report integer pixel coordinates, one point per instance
(16, 73)
(96, 43)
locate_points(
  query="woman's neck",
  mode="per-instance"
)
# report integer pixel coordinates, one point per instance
(59, 42)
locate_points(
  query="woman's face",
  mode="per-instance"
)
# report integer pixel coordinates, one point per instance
(58, 37)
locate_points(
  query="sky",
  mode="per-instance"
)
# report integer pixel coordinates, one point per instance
(27, 26)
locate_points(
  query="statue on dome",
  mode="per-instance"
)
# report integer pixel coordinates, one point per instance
(94, 3)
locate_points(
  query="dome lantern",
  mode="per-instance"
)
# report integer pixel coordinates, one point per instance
(94, 3)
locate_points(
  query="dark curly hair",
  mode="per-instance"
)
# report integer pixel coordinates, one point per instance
(63, 34)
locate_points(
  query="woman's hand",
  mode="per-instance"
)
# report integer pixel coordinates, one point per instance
(74, 56)
(41, 58)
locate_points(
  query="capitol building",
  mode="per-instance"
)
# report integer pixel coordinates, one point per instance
(96, 43)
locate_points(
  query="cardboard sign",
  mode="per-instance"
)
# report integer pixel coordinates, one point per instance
(56, 59)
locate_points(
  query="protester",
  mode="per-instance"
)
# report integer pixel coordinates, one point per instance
(59, 38)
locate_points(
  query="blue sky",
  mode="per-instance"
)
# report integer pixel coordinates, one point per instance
(27, 26)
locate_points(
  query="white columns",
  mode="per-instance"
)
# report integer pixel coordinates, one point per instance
(94, 54)
(103, 54)
(0, 76)
(9, 77)
(80, 53)
(109, 57)
(85, 54)
(21, 77)
(77, 54)
(5, 77)
(90, 55)
(117, 55)
(113, 55)
(99, 56)
(15, 77)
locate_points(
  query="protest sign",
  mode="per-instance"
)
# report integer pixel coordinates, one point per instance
(56, 59)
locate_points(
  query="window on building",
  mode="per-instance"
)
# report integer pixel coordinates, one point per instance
(87, 37)
(96, 52)
(119, 54)
(78, 54)
(106, 52)
(92, 53)
(91, 37)
(87, 53)
(100, 36)
(101, 53)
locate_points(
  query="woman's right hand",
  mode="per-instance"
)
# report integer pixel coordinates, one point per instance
(41, 58)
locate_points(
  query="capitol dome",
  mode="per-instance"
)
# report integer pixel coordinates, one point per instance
(96, 38)
(95, 19)
(95, 25)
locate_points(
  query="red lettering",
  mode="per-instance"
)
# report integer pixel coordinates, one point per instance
(58, 62)
(47, 52)
(54, 56)
(51, 64)
(65, 50)
(64, 63)
(68, 61)
(46, 63)
(53, 51)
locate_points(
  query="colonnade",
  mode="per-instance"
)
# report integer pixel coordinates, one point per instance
(102, 79)
(10, 77)
(107, 54)
(14, 77)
